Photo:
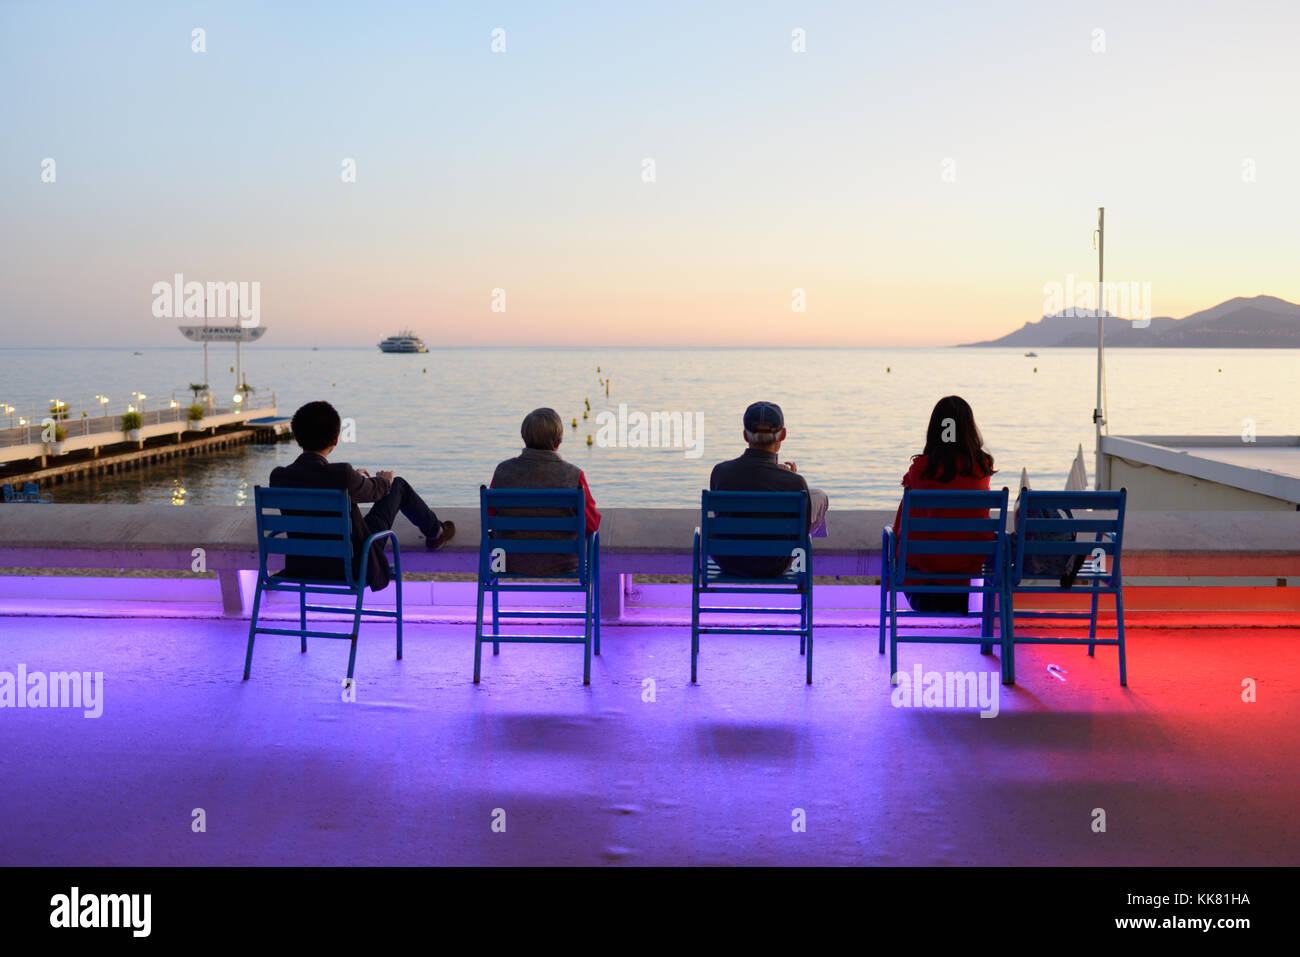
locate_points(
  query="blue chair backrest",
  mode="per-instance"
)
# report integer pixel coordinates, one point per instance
(9, 494)
(940, 522)
(312, 523)
(1094, 529)
(753, 524)
(534, 521)
(31, 492)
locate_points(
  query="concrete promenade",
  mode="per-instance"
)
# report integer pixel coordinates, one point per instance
(413, 771)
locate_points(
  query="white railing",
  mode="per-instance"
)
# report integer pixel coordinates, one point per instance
(102, 415)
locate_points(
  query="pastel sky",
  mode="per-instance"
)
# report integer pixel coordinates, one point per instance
(774, 170)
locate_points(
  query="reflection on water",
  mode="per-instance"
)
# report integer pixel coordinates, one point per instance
(217, 478)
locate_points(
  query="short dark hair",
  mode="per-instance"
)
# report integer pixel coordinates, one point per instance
(316, 426)
(542, 429)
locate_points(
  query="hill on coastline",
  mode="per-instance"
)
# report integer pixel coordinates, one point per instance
(1255, 322)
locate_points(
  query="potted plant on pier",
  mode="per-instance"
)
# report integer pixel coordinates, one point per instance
(195, 417)
(60, 433)
(131, 423)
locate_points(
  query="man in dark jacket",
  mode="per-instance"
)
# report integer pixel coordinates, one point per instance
(316, 428)
(758, 470)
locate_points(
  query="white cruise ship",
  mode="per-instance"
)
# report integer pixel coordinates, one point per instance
(404, 341)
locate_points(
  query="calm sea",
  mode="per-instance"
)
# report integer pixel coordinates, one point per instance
(444, 419)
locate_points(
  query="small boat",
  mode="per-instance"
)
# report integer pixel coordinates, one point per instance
(1031, 355)
(137, 353)
(404, 341)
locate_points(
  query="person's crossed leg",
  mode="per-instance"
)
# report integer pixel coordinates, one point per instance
(404, 499)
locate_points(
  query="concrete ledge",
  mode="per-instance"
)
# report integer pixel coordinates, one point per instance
(1219, 545)
(1267, 466)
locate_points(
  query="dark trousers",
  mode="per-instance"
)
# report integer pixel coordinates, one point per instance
(937, 601)
(402, 498)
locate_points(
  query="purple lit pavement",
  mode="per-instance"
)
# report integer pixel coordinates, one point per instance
(414, 771)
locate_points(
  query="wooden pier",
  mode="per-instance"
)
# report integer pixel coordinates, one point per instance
(91, 462)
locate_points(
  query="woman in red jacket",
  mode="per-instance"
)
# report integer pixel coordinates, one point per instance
(954, 459)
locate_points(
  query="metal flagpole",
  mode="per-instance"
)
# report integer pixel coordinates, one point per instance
(206, 381)
(1098, 414)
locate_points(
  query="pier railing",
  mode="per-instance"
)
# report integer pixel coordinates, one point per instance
(102, 416)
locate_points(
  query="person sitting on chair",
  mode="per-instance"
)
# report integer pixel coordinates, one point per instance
(539, 466)
(316, 429)
(954, 459)
(758, 470)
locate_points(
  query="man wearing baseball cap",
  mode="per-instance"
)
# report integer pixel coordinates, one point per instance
(758, 470)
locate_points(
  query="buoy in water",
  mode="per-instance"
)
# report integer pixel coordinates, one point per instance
(1035, 368)
(584, 415)
(425, 369)
(588, 401)
(589, 438)
(887, 369)
(575, 421)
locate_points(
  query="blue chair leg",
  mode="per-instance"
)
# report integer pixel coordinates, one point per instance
(478, 634)
(1006, 620)
(302, 614)
(595, 584)
(695, 630)
(1119, 631)
(986, 622)
(397, 577)
(803, 622)
(356, 630)
(884, 601)
(587, 634)
(1092, 624)
(252, 628)
(809, 616)
(893, 634)
(496, 620)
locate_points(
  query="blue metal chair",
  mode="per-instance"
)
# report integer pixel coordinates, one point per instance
(32, 493)
(315, 523)
(752, 525)
(1058, 524)
(550, 524)
(10, 495)
(916, 536)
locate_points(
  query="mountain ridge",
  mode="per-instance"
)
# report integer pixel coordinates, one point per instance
(1241, 322)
